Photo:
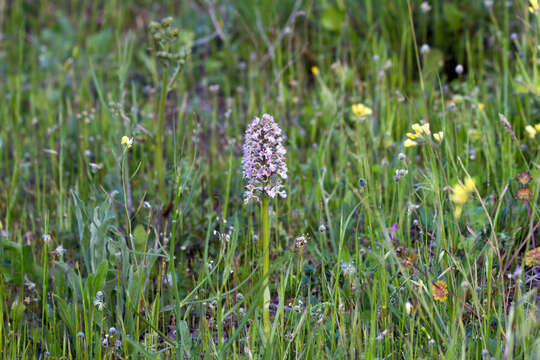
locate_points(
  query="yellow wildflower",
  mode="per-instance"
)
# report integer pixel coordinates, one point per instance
(127, 141)
(419, 131)
(417, 128)
(315, 70)
(361, 110)
(533, 5)
(439, 291)
(438, 136)
(532, 257)
(410, 143)
(460, 195)
(537, 127)
(469, 184)
(481, 106)
(531, 131)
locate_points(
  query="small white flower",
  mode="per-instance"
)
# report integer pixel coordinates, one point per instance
(59, 251)
(99, 304)
(98, 301)
(95, 167)
(425, 7)
(459, 69)
(424, 49)
(382, 335)
(409, 308)
(30, 285)
(46, 238)
(348, 269)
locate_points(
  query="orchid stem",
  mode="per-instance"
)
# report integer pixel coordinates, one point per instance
(266, 264)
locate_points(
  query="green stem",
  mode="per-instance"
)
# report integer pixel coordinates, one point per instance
(159, 136)
(124, 174)
(266, 264)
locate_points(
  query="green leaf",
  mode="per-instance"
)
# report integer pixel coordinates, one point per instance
(67, 314)
(139, 237)
(452, 16)
(101, 275)
(185, 338)
(332, 18)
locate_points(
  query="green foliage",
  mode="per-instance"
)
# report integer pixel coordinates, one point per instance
(145, 249)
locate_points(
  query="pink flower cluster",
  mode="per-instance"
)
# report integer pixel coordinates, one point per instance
(264, 159)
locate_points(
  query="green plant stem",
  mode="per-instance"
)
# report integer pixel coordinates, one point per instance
(159, 136)
(266, 264)
(172, 268)
(124, 175)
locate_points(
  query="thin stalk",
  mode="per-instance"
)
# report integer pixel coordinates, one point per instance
(266, 264)
(530, 223)
(124, 175)
(159, 136)
(172, 267)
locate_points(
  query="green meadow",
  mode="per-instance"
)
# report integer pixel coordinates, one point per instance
(292, 179)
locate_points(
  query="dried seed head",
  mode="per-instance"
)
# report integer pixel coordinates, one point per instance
(524, 178)
(524, 193)
(301, 241)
